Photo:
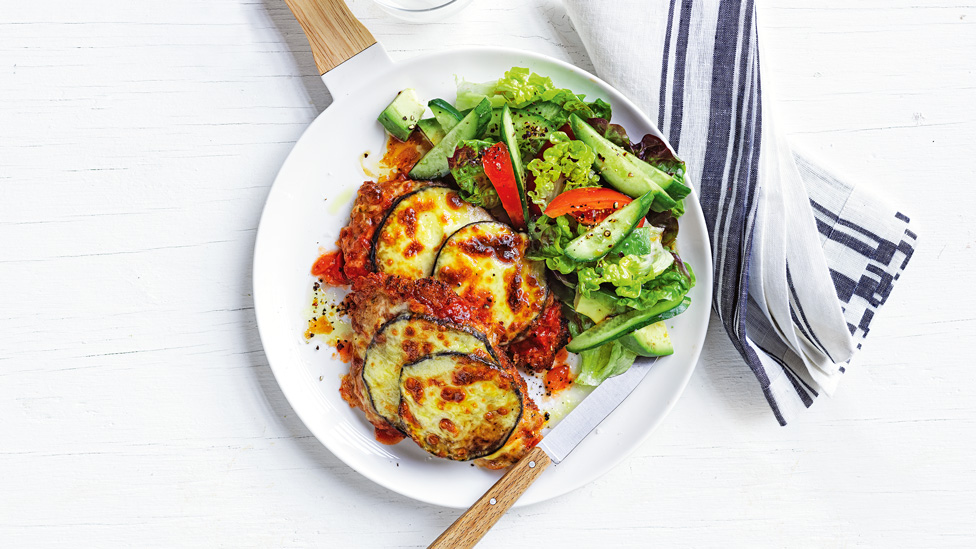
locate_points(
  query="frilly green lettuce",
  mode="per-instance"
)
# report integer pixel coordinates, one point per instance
(673, 283)
(639, 259)
(569, 162)
(520, 87)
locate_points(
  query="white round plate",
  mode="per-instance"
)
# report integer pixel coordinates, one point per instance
(302, 217)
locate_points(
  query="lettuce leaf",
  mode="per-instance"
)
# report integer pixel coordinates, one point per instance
(469, 174)
(615, 133)
(673, 283)
(470, 94)
(564, 166)
(550, 236)
(654, 151)
(636, 261)
(520, 87)
(668, 221)
(607, 360)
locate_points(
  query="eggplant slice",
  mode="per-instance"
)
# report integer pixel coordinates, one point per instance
(459, 406)
(484, 262)
(405, 339)
(409, 237)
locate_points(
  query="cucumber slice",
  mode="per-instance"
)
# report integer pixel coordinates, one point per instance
(675, 190)
(432, 130)
(434, 165)
(494, 128)
(651, 340)
(641, 241)
(624, 171)
(621, 325)
(445, 113)
(400, 117)
(509, 138)
(546, 109)
(604, 236)
(597, 307)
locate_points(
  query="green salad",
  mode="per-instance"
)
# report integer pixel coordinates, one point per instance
(601, 211)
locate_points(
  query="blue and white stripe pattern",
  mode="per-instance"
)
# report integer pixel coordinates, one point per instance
(803, 259)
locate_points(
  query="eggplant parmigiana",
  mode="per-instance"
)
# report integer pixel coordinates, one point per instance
(423, 366)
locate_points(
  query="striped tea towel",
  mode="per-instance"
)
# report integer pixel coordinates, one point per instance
(803, 259)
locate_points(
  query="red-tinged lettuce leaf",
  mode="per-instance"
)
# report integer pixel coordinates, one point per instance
(469, 174)
(615, 133)
(653, 150)
(668, 222)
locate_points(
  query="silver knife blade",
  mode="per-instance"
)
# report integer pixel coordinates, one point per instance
(566, 436)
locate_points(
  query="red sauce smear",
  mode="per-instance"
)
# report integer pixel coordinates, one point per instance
(536, 350)
(402, 155)
(388, 436)
(558, 379)
(328, 268)
(320, 325)
(344, 349)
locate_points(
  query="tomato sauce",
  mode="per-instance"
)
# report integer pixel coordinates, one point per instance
(558, 379)
(344, 350)
(328, 267)
(388, 436)
(401, 156)
(536, 351)
(318, 326)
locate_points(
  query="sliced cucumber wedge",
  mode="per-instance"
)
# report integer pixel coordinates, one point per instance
(597, 307)
(651, 340)
(432, 130)
(445, 113)
(508, 137)
(675, 190)
(604, 236)
(624, 171)
(434, 165)
(621, 325)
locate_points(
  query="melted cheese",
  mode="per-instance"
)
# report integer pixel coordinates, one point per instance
(458, 407)
(401, 341)
(485, 263)
(413, 232)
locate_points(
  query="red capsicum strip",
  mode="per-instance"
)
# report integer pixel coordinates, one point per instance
(498, 168)
(580, 201)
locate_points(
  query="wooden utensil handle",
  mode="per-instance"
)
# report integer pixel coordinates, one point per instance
(332, 30)
(470, 527)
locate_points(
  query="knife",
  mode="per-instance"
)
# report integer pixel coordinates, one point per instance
(470, 527)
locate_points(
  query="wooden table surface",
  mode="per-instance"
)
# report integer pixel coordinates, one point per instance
(138, 141)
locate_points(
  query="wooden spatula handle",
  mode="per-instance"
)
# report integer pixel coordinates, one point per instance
(470, 527)
(332, 30)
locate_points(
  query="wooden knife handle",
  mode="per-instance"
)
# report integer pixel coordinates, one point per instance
(470, 527)
(332, 30)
